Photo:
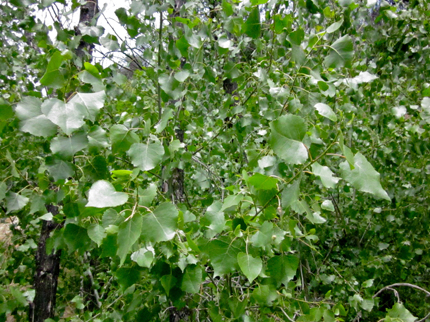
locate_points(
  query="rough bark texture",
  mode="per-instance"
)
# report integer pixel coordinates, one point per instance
(88, 12)
(177, 179)
(48, 265)
(46, 276)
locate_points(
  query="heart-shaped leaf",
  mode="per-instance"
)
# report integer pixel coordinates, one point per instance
(102, 195)
(249, 265)
(146, 156)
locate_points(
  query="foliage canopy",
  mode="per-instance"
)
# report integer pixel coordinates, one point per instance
(251, 161)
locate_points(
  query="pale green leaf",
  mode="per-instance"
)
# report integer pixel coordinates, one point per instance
(250, 266)
(334, 26)
(231, 201)
(263, 237)
(364, 177)
(326, 175)
(146, 196)
(161, 125)
(341, 52)
(88, 104)
(102, 194)
(399, 313)
(122, 138)
(15, 201)
(66, 116)
(161, 224)
(146, 156)
(326, 111)
(32, 119)
(128, 233)
(287, 133)
(182, 75)
(316, 218)
(327, 205)
(143, 257)
(109, 42)
(215, 216)
(66, 147)
(96, 233)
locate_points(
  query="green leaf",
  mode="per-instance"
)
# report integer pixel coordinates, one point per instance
(143, 257)
(76, 238)
(102, 195)
(6, 111)
(264, 295)
(88, 104)
(250, 266)
(59, 169)
(97, 139)
(326, 111)
(161, 125)
(287, 133)
(262, 182)
(327, 205)
(252, 26)
(192, 279)
(399, 313)
(341, 52)
(92, 31)
(109, 42)
(231, 201)
(53, 76)
(364, 177)
(127, 276)
(15, 201)
(316, 218)
(96, 168)
(161, 224)
(326, 175)
(33, 121)
(425, 105)
(146, 196)
(66, 147)
(128, 233)
(122, 138)
(3, 189)
(282, 268)
(111, 217)
(182, 75)
(263, 237)
(215, 216)
(66, 116)
(290, 194)
(223, 254)
(146, 156)
(334, 26)
(96, 233)
(168, 281)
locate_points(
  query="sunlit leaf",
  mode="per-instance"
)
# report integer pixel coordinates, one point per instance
(102, 195)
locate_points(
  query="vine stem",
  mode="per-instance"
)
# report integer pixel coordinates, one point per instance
(390, 287)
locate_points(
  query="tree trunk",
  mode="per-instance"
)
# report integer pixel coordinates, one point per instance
(88, 12)
(46, 276)
(48, 265)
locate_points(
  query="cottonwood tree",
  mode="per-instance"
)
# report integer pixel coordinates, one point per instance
(267, 162)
